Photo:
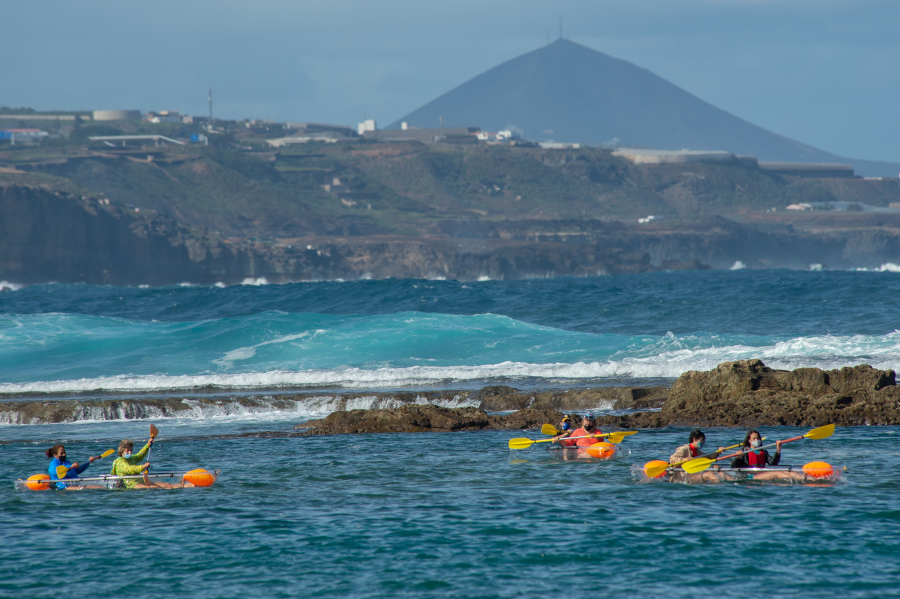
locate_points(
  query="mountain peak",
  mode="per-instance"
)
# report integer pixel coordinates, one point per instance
(567, 92)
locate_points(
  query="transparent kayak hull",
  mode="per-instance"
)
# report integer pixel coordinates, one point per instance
(116, 483)
(769, 475)
(570, 454)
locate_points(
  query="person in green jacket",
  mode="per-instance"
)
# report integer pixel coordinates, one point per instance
(128, 464)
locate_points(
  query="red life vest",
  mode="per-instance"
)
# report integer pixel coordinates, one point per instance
(580, 432)
(755, 460)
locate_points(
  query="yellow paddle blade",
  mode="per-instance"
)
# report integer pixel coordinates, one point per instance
(520, 443)
(697, 465)
(619, 436)
(153, 431)
(654, 471)
(549, 429)
(61, 471)
(823, 432)
(107, 453)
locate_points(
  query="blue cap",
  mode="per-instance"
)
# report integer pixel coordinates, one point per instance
(589, 416)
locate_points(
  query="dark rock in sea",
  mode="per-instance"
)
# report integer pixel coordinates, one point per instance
(419, 418)
(748, 393)
(744, 393)
(500, 398)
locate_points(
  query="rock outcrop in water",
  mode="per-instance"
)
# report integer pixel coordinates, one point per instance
(495, 398)
(743, 393)
(420, 418)
(749, 393)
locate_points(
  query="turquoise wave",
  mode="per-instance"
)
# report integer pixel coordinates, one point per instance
(66, 352)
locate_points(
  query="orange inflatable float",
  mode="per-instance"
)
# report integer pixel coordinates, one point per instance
(656, 463)
(818, 469)
(200, 477)
(602, 450)
(35, 482)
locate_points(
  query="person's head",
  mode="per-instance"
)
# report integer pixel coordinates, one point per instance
(125, 448)
(753, 438)
(588, 420)
(696, 438)
(57, 451)
(566, 422)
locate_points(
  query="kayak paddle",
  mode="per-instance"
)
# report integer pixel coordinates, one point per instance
(153, 432)
(549, 429)
(61, 471)
(525, 443)
(701, 464)
(656, 470)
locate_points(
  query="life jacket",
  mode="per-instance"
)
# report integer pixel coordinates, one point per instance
(759, 460)
(580, 432)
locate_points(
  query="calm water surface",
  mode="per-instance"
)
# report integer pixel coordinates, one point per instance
(447, 515)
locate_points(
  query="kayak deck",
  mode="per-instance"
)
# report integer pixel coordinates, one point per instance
(107, 482)
(567, 454)
(723, 474)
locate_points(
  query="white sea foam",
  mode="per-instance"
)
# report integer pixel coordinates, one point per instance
(738, 265)
(886, 267)
(669, 357)
(7, 286)
(263, 409)
(255, 282)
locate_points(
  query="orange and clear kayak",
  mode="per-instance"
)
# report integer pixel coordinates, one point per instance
(42, 482)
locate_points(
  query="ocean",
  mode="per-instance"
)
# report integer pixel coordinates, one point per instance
(436, 515)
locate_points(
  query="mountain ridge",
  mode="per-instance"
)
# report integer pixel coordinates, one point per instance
(571, 93)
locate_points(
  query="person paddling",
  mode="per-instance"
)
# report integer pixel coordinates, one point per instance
(566, 423)
(57, 453)
(696, 439)
(128, 464)
(760, 458)
(693, 449)
(588, 427)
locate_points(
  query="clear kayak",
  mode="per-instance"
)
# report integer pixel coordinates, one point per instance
(597, 452)
(811, 473)
(168, 480)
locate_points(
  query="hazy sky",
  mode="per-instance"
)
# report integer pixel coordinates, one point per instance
(824, 72)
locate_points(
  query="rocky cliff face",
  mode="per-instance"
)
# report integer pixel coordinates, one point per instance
(57, 236)
(47, 236)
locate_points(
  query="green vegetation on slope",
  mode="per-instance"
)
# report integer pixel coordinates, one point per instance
(360, 187)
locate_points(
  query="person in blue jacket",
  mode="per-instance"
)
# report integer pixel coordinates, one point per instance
(57, 453)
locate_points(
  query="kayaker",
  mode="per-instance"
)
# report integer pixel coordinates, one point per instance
(128, 464)
(566, 423)
(692, 449)
(588, 427)
(760, 458)
(57, 455)
(696, 439)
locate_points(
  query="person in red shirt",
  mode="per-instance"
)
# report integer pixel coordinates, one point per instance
(588, 427)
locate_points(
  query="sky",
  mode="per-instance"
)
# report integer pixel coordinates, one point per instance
(823, 72)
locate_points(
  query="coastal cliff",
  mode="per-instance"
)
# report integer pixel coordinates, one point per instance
(50, 236)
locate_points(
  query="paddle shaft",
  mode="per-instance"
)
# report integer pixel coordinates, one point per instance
(657, 470)
(749, 449)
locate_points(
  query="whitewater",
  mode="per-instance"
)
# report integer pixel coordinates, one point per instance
(408, 334)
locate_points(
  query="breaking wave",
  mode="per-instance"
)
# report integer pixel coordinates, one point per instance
(636, 357)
